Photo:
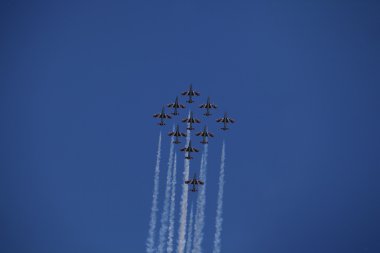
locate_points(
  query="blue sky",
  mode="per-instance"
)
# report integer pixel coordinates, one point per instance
(79, 81)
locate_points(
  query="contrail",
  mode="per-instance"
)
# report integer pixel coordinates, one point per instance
(172, 207)
(165, 209)
(190, 231)
(153, 214)
(219, 209)
(183, 216)
(201, 204)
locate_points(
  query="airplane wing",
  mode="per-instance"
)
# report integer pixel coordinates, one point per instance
(156, 115)
(196, 93)
(210, 134)
(198, 134)
(197, 121)
(171, 105)
(195, 150)
(231, 120)
(185, 93)
(171, 133)
(200, 182)
(183, 149)
(220, 120)
(185, 120)
(181, 106)
(202, 106)
(214, 106)
(187, 182)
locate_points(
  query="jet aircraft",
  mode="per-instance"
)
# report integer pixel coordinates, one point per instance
(225, 121)
(191, 120)
(177, 134)
(175, 105)
(189, 149)
(204, 135)
(194, 182)
(191, 93)
(208, 106)
(162, 116)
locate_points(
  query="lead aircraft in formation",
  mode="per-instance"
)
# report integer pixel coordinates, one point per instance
(190, 120)
(190, 93)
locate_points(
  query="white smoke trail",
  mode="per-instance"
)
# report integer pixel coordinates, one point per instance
(153, 215)
(201, 204)
(165, 209)
(172, 207)
(190, 231)
(219, 209)
(184, 197)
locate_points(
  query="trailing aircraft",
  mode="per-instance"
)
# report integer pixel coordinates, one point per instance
(191, 120)
(195, 182)
(204, 135)
(189, 149)
(208, 106)
(162, 116)
(176, 105)
(177, 134)
(225, 120)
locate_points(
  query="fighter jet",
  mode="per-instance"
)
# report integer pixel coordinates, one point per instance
(208, 106)
(204, 135)
(194, 182)
(191, 120)
(177, 134)
(175, 105)
(225, 121)
(162, 116)
(191, 93)
(189, 149)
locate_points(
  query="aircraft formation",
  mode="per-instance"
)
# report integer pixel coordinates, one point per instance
(190, 121)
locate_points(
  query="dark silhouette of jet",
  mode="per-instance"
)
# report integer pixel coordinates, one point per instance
(162, 116)
(190, 93)
(177, 134)
(208, 106)
(204, 135)
(191, 120)
(225, 121)
(176, 105)
(195, 182)
(189, 149)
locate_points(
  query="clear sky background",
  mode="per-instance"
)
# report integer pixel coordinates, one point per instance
(80, 80)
